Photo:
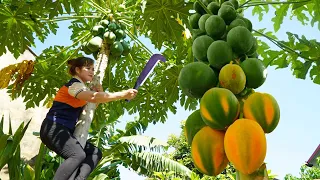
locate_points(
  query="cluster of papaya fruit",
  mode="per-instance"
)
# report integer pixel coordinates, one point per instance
(113, 33)
(233, 120)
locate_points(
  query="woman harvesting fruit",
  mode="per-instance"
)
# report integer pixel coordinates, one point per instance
(57, 128)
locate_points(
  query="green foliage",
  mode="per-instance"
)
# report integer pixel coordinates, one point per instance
(11, 147)
(298, 52)
(132, 150)
(160, 17)
(39, 162)
(22, 20)
(153, 162)
(49, 75)
(10, 152)
(306, 172)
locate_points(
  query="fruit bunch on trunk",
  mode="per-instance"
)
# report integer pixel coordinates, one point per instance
(233, 120)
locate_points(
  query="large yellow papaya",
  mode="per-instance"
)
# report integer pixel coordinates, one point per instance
(245, 145)
(207, 151)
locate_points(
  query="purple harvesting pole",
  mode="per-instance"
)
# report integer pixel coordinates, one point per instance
(148, 69)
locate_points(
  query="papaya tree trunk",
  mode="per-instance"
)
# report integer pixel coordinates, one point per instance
(86, 117)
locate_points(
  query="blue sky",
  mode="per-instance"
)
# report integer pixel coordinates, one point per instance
(297, 134)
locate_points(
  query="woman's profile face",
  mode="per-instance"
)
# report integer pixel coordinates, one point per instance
(86, 73)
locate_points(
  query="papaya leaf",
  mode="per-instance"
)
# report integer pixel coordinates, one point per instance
(270, 56)
(20, 21)
(315, 74)
(300, 15)
(307, 48)
(59, 7)
(280, 13)
(300, 69)
(260, 11)
(316, 15)
(281, 61)
(158, 91)
(160, 17)
(80, 28)
(188, 103)
(138, 126)
(48, 76)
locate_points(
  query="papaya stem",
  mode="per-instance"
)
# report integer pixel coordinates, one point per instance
(66, 18)
(268, 3)
(241, 115)
(125, 17)
(133, 6)
(99, 8)
(244, 3)
(84, 12)
(282, 45)
(64, 49)
(204, 7)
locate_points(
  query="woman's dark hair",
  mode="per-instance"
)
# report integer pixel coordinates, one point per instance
(79, 62)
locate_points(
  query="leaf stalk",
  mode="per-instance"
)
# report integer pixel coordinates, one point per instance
(282, 45)
(204, 7)
(268, 3)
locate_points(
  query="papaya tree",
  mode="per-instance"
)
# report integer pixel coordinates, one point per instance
(135, 17)
(165, 23)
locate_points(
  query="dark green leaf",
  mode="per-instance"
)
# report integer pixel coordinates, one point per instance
(1, 125)
(300, 69)
(21, 24)
(270, 57)
(28, 172)
(14, 164)
(316, 15)
(281, 61)
(39, 161)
